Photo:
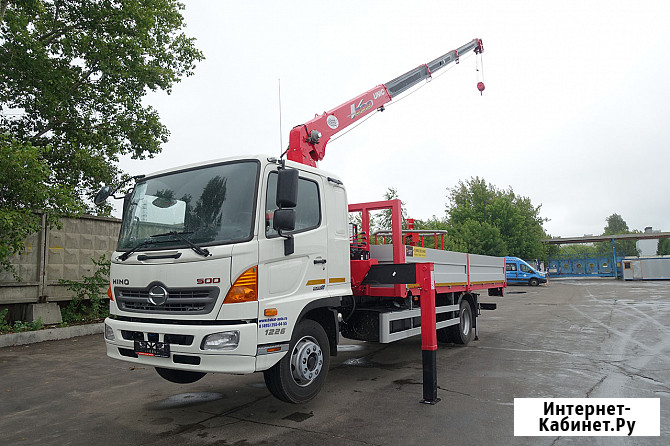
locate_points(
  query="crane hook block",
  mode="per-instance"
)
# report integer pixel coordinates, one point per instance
(480, 87)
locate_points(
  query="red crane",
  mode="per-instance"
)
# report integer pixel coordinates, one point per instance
(307, 142)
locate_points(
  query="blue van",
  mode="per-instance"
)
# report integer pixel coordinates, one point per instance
(518, 271)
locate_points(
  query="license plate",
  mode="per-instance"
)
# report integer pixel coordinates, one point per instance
(149, 348)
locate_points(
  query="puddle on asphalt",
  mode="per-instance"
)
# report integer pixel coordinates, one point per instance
(298, 417)
(358, 362)
(185, 399)
(366, 363)
(350, 347)
(404, 382)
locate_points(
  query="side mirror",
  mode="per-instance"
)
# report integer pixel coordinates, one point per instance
(102, 195)
(284, 220)
(287, 188)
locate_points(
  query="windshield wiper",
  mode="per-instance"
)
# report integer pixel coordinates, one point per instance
(180, 235)
(123, 257)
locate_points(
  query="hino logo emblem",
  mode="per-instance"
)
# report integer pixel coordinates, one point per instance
(157, 295)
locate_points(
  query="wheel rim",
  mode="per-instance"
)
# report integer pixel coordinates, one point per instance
(306, 361)
(465, 321)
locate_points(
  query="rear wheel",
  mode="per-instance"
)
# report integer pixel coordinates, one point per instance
(180, 376)
(464, 332)
(299, 375)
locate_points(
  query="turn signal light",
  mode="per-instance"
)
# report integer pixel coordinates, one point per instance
(109, 292)
(245, 288)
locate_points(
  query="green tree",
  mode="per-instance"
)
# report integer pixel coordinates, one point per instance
(436, 224)
(74, 73)
(617, 225)
(479, 237)
(384, 218)
(491, 221)
(27, 186)
(583, 250)
(663, 247)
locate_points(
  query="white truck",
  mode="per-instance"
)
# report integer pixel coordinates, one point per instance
(249, 264)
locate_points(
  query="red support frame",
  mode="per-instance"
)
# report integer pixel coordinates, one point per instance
(425, 278)
(396, 239)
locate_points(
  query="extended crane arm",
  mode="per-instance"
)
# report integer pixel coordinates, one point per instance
(307, 142)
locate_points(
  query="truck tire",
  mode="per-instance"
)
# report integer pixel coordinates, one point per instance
(533, 281)
(299, 375)
(179, 376)
(464, 332)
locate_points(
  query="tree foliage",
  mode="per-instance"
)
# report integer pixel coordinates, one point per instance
(383, 221)
(585, 250)
(488, 220)
(617, 225)
(482, 219)
(74, 74)
(27, 186)
(663, 248)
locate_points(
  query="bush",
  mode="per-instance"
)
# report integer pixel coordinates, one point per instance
(18, 326)
(4, 325)
(90, 300)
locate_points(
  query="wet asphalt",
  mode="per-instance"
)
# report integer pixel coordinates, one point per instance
(570, 339)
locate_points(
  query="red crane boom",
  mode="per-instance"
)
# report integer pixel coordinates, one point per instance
(307, 142)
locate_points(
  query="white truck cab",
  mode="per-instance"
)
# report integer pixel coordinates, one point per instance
(200, 281)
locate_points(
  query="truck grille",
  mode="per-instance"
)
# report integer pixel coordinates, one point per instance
(180, 300)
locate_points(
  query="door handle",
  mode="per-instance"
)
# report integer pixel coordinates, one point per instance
(319, 261)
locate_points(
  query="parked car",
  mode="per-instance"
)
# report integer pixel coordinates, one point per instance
(518, 271)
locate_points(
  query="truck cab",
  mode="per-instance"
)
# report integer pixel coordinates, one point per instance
(518, 271)
(204, 279)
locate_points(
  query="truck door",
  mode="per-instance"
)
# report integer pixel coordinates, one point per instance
(285, 282)
(511, 268)
(524, 272)
(339, 276)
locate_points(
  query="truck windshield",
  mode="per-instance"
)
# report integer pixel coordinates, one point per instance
(209, 205)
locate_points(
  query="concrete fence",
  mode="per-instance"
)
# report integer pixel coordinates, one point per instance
(54, 254)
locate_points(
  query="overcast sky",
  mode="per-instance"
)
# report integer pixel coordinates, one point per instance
(575, 113)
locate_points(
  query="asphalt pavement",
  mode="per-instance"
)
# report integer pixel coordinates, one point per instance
(570, 339)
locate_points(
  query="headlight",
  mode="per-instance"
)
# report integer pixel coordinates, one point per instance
(227, 340)
(109, 333)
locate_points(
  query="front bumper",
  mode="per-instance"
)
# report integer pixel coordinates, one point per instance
(185, 353)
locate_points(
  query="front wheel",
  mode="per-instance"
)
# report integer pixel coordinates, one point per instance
(299, 375)
(533, 282)
(180, 376)
(464, 332)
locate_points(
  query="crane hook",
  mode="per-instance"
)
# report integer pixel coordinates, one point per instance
(480, 87)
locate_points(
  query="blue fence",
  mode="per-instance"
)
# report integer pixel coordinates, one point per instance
(594, 265)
